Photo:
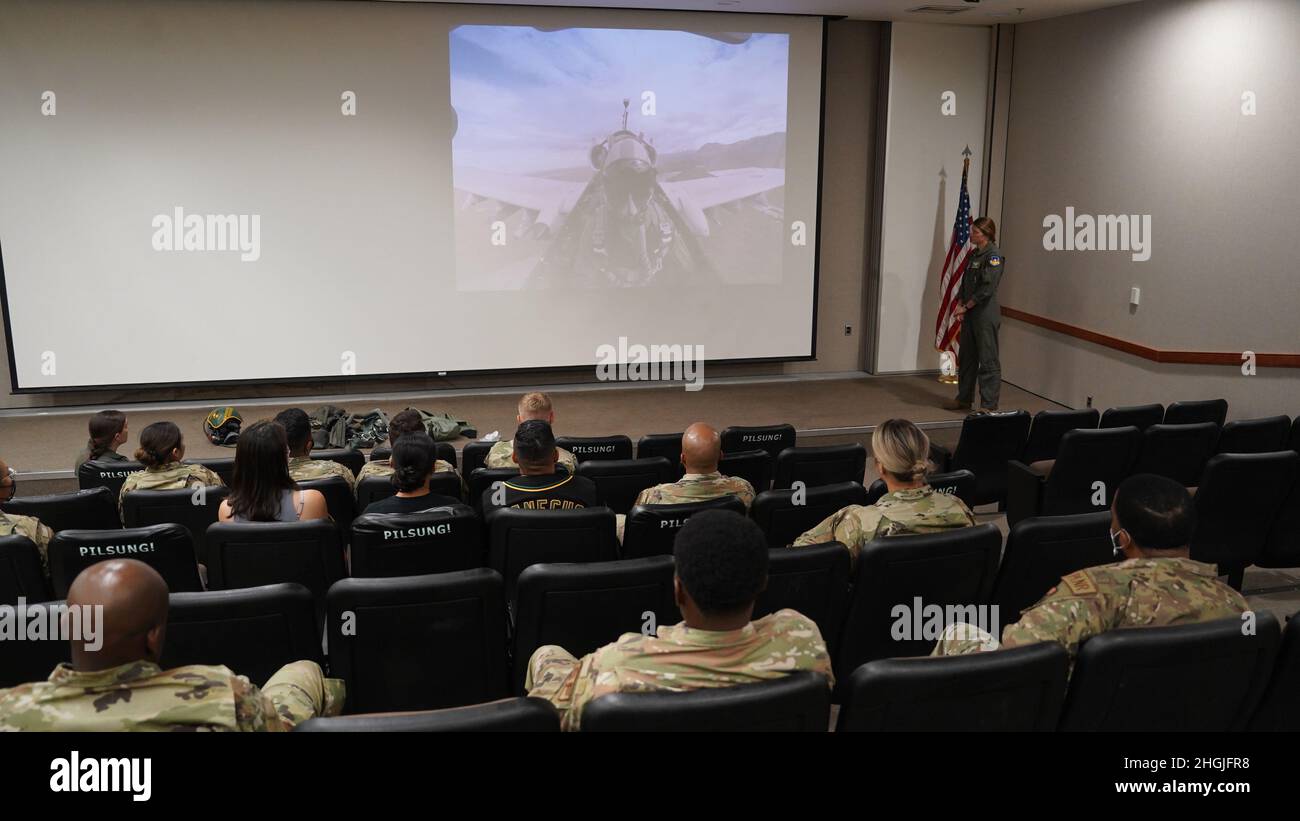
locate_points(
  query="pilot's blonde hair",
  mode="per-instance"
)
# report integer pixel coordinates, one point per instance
(902, 449)
(535, 405)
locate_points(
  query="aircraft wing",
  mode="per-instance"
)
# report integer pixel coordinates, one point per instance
(725, 186)
(695, 196)
(548, 199)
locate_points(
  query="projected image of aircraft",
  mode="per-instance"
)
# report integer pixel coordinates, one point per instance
(629, 224)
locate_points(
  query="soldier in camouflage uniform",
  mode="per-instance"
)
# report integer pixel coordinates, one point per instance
(1152, 519)
(901, 452)
(701, 450)
(721, 567)
(119, 686)
(161, 451)
(11, 524)
(534, 405)
(302, 468)
(408, 421)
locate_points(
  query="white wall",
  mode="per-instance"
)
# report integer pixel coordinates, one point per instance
(1138, 110)
(920, 203)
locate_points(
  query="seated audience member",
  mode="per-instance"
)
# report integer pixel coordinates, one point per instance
(533, 406)
(1152, 519)
(721, 560)
(114, 682)
(701, 450)
(901, 452)
(297, 431)
(539, 486)
(408, 421)
(11, 524)
(161, 451)
(413, 459)
(107, 433)
(261, 489)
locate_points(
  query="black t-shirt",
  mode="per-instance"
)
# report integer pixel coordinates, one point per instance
(410, 504)
(553, 491)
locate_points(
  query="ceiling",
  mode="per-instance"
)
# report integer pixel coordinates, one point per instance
(980, 13)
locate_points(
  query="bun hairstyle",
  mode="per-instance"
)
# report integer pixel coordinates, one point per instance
(987, 227)
(902, 449)
(157, 441)
(412, 461)
(104, 427)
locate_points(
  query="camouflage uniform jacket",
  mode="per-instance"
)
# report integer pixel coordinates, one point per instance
(141, 697)
(678, 659)
(11, 524)
(499, 457)
(305, 468)
(698, 487)
(1132, 593)
(903, 512)
(171, 476)
(384, 467)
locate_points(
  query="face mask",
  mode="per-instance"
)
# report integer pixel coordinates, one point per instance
(1114, 543)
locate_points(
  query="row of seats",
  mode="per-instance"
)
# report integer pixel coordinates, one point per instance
(583, 605)
(1199, 677)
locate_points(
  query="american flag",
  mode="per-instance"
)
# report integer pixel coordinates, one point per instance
(946, 326)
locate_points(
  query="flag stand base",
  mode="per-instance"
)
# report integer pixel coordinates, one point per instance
(945, 379)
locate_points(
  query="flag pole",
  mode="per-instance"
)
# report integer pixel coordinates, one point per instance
(953, 378)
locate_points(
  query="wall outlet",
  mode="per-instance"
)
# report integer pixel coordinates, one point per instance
(848, 330)
(1090, 401)
(1134, 295)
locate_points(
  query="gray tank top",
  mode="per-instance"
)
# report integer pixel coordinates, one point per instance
(288, 511)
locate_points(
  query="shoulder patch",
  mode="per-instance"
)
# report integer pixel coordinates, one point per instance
(995, 261)
(1080, 583)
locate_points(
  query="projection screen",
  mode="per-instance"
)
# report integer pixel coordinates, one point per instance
(247, 191)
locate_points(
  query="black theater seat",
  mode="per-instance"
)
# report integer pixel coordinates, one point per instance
(1255, 435)
(582, 607)
(813, 580)
(350, 458)
(1232, 483)
(777, 513)
(167, 548)
(620, 481)
(254, 631)
(196, 509)
(1139, 416)
(651, 529)
(413, 544)
(770, 438)
(959, 483)
(754, 466)
(987, 442)
(1016, 690)
(1178, 452)
(1205, 677)
(507, 715)
(667, 445)
(798, 702)
(94, 509)
(1049, 426)
(519, 538)
(1203, 410)
(21, 575)
(951, 569)
(419, 642)
(111, 475)
(1043, 550)
(1087, 457)
(585, 448)
(817, 466)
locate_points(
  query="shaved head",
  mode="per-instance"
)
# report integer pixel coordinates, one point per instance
(134, 598)
(701, 449)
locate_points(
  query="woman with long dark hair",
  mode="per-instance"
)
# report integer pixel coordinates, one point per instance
(261, 489)
(107, 433)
